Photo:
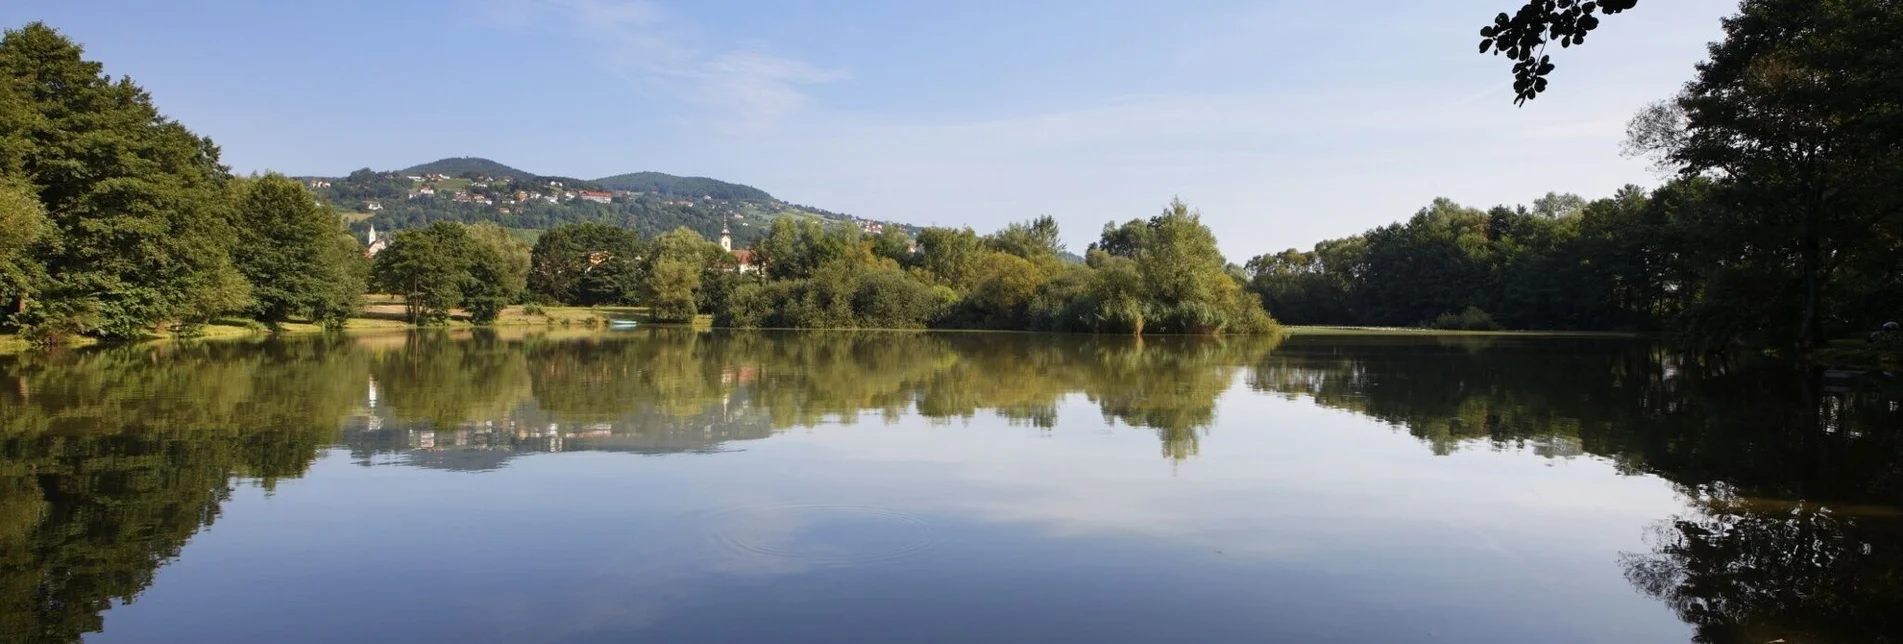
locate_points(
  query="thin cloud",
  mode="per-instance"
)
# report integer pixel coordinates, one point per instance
(744, 91)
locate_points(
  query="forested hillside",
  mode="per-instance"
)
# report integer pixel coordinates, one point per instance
(472, 190)
(667, 184)
(459, 166)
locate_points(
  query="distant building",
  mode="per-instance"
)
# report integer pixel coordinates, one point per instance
(372, 244)
(744, 260)
(426, 191)
(596, 196)
(372, 206)
(320, 183)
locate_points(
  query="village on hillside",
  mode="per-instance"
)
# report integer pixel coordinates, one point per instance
(527, 204)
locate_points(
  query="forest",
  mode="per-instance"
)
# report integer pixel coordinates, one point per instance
(1780, 226)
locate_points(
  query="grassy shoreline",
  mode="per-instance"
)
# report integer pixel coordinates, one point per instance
(387, 316)
(377, 318)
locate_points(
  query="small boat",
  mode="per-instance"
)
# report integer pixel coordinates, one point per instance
(621, 324)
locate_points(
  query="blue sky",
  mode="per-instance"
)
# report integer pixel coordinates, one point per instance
(1284, 122)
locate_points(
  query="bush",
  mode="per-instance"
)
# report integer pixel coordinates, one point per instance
(891, 299)
(54, 321)
(747, 306)
(1471, 319)
(485, 310)
(533, 308)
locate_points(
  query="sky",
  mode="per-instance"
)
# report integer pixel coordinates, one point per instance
(1283, 122)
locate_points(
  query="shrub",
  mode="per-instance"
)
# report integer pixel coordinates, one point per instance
(1470, 319)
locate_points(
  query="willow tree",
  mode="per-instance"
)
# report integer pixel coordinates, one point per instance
(1181, 280)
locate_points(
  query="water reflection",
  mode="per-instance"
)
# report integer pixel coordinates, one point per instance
(1792, 529)
(112, 459)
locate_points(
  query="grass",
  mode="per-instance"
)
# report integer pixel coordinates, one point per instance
(384, 313)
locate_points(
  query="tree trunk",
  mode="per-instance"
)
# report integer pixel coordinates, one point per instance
(1809, 330)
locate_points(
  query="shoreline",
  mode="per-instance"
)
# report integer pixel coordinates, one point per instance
(596, 318)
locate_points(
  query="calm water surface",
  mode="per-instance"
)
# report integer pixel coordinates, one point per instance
(671, 486)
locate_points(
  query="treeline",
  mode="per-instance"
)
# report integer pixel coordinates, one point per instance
(1564, 264)
(1692, 259)
(117, 222)
(1162, 275)
(1784, 226)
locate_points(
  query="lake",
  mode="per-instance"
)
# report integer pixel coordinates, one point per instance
(666, 485)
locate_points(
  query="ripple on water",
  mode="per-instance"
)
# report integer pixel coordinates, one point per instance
(820, 535)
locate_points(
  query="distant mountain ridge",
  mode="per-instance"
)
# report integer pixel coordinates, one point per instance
(671, 185)
(650, 182)
(475, 189)
(458, 166)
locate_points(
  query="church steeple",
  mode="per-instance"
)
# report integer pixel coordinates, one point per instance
(726, 238)
(372, 237)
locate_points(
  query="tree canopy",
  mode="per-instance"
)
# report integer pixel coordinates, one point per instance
(140, 229)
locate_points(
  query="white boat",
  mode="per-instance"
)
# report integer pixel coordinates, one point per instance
(621, 324)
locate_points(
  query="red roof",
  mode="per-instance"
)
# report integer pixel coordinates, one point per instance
(744, 256)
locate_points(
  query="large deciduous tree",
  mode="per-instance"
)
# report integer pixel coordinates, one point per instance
(1797, 117)
(586, 264)
(140, 229)
(299, 258)
(675, 263)
(428, 267)
(498, 271)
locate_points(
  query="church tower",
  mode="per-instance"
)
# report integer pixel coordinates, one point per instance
(726, 238)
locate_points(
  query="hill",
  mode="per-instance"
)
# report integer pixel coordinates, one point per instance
(691, 187)
(476, 189)
(459, 166)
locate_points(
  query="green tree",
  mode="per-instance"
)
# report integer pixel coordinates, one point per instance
(951, 257)
(1029, 240)
(498, 271)
(894, 244)
(297, 255)
(141, 236)
(586, 264)
(22, 225)
(429, 267)
(1183, 284)
(1795, 117)
(675, 263)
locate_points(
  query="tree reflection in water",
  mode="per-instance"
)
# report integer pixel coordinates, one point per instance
(111, 459)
